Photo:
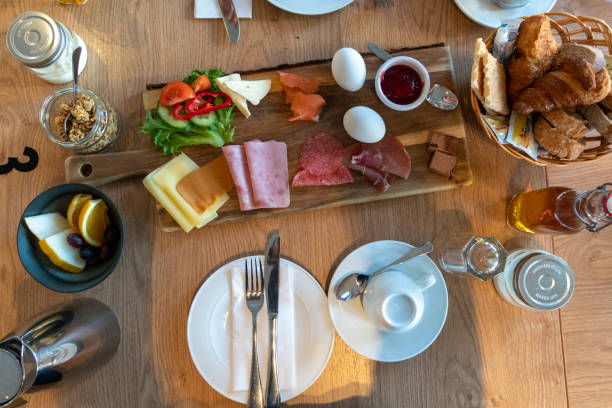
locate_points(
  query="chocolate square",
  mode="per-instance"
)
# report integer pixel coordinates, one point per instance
(443, 164)
(444, 143)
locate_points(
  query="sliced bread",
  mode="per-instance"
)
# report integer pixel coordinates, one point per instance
(593, 55)
(495, 85)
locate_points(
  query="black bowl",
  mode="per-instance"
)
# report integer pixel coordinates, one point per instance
(38, 264)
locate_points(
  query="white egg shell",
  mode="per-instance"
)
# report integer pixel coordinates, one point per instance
(348, 69)
(364, 124)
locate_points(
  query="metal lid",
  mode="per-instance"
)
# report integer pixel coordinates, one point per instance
(35, 39)
(11, 376)
(485, 256)
(545, 282)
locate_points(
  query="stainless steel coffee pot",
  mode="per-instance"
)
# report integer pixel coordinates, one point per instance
(56, 347)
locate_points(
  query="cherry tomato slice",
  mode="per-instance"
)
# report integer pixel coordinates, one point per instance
(175, 92)
(201, 84)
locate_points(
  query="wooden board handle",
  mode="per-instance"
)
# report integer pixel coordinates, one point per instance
(98, 169)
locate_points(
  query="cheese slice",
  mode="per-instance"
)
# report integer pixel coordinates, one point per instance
(239, 100)
(165, 201)
(204, 187)
(253, 91)
(169, 176)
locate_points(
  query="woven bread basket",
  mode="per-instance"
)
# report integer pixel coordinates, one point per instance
(567, 28)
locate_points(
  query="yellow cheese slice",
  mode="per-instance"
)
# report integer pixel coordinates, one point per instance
(165, 201)
(169, 176)
(214, 208)
(201, 188)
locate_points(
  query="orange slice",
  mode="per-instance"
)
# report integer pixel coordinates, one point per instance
(74, 209)
(93, 222)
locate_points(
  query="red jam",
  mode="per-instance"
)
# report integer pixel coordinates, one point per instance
(401, 84)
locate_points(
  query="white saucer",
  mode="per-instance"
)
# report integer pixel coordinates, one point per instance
(310, 7)
(353, 325)
(486, 13)
(209, 331)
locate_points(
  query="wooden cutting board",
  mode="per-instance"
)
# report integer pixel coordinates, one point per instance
(269, 121)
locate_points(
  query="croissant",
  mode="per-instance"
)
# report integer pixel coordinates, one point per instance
(533, 54)
(570, 84)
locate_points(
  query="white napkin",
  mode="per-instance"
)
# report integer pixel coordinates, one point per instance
(242, 333)
(210, 8)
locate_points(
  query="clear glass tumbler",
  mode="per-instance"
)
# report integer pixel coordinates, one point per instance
(478, 257)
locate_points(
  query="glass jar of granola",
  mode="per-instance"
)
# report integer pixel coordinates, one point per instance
(93, 126)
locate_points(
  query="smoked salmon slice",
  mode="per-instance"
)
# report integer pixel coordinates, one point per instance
(302, 83)
(306, 107)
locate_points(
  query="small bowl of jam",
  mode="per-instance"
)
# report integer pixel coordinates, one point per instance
(402, 83)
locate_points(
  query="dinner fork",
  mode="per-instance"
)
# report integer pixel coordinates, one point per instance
(254, 284)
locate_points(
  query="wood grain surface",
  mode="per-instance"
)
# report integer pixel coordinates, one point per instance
(489, 354)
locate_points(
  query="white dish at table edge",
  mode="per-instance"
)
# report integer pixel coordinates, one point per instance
(486, 13)
(310, 7)
(361, 334)
(209, 331)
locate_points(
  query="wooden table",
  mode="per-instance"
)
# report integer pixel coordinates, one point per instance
(488, 354)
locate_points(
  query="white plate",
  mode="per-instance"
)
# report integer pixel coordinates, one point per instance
(209, 331)
(353, 325)
(310, 7)
(488, 14)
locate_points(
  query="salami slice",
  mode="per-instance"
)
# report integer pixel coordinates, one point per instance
(321, 154)
(303, 178)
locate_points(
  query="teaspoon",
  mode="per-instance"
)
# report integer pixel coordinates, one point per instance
(76, 56)
(354, 284)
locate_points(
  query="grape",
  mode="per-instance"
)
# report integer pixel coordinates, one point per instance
(106, 252)
(75, 240)
(94, 260)
(87, 252)
(111, 234)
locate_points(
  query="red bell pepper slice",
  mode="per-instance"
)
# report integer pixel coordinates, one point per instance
(178, 110)
(204, 102)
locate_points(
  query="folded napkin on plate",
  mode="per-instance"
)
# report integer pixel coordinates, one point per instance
(242, 333)
(210, 8)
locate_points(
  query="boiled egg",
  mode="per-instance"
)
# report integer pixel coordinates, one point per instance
(364, 124)
(348, 69)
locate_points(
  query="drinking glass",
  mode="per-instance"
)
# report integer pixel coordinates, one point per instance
(473, 256)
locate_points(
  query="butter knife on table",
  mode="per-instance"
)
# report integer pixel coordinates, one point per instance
(271, 272)
(230, 18)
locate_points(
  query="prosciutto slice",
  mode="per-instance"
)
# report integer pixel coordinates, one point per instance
(379, 179)
(387, 156)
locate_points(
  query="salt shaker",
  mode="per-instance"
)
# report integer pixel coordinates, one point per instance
(45, 46)
(478, 257)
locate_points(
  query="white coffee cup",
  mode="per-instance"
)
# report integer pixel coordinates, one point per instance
(394, 301)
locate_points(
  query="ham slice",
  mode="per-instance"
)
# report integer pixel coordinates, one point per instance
(237, 163)
(388, 155)
(306, 107)
(260, 174)
(269, 172)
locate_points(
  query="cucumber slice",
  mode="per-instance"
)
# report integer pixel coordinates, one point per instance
(165, 114)
(204, 120)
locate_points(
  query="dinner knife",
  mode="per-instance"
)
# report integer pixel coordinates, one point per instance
(230, 18)
(379, 52)
(271, 271)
